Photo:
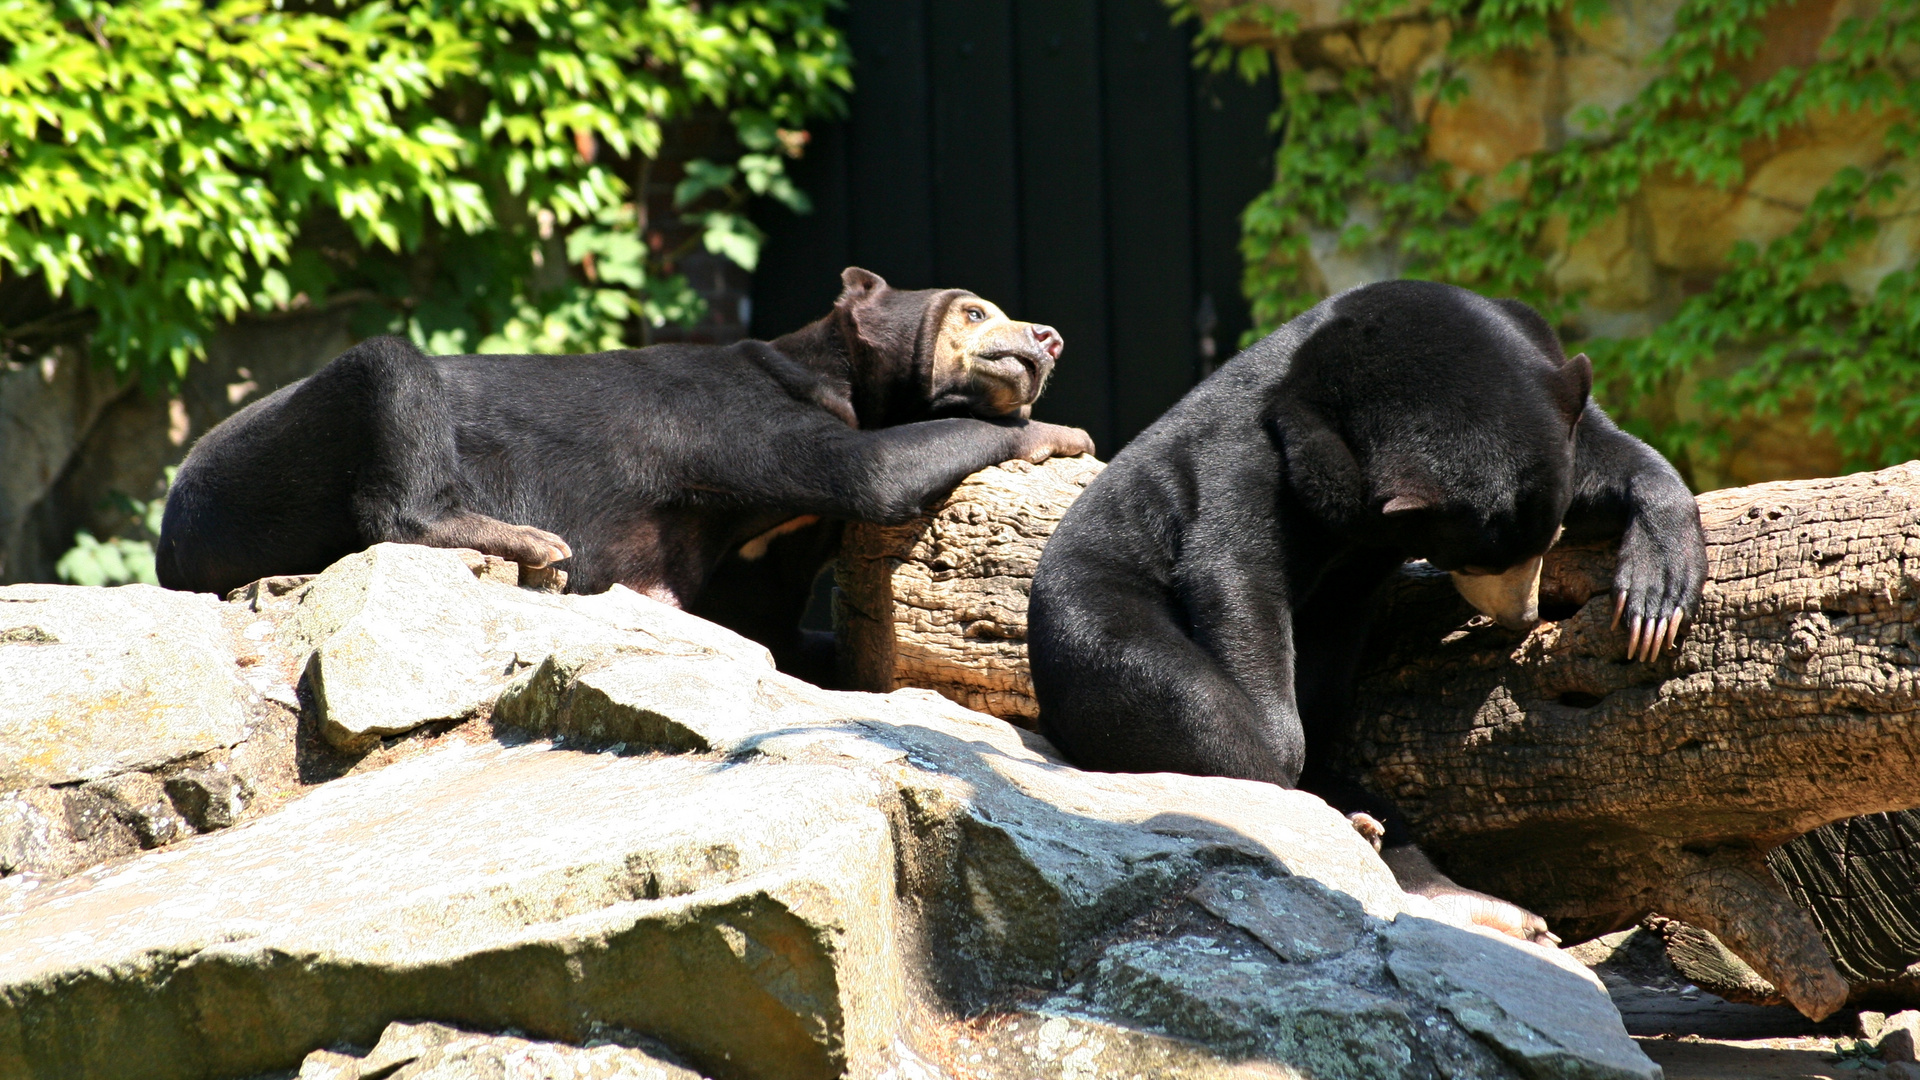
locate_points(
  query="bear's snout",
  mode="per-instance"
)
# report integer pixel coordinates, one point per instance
(1048, 339)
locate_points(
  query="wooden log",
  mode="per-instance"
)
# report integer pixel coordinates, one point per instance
(1549, 769)
(941, 602)
(1859, 880)
(1545, 767)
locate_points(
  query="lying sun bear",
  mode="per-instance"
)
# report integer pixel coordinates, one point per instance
(1203, 606)
(711, 477)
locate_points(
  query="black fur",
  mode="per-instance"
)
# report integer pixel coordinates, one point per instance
(1202, 608)
(655, 465)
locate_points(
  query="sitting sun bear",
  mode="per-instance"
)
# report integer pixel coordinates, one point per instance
(1203, 606)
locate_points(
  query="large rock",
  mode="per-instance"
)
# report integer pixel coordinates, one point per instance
(719, 909)
(668, 838)
(398, 636)
(101, 681)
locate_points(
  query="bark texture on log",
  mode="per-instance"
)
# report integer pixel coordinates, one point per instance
(1545, 767)
(941, 603)
(1549, 769)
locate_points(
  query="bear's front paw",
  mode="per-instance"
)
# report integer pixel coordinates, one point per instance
(1042, 441)
(1656, 587)
(537, 547)
(1458, 904)
(1465, 907)
(1368, 827)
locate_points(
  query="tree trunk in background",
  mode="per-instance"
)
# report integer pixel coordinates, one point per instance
(1545, 767)
(73, 434)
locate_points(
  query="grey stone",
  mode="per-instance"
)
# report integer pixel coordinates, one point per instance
(139, 802)
(95, 682)
(429, 1051)
(1899, 1037)
(1250, 1005)
(1047, 1045)
(33, 831)
(1299, 919)
(267, 589)
(208, 798)
(329, 1065)
(1549, 1017)
(741, 913)
(773, 879)
(399, 635)
(612, 693)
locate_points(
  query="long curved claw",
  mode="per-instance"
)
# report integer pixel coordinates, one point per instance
(1619, 605)
(1673, 634)
(1657, 640)
(1633, 638)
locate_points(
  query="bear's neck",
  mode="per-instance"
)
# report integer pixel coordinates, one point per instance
(818, 348)
(822, 348)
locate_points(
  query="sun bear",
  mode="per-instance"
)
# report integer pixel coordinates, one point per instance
(674, 470)
(1203, 606)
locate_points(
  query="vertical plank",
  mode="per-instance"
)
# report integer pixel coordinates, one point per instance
(889, 148)
(1232, 163)
(1063, 242)
(976, 190)
(1150, 234)
(799, 272)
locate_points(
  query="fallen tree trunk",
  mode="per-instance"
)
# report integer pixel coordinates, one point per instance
(1546, 767)
(941, 602)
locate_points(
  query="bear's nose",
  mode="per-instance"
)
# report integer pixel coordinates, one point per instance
(1048, 339)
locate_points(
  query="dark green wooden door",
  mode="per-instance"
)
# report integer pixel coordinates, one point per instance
(1060, 157)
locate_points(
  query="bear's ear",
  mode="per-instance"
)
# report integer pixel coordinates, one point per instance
(1407, 486)
(859, 286)
(1577, 376)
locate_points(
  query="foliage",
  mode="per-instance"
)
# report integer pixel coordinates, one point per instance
(1777, 326)
(461, 170)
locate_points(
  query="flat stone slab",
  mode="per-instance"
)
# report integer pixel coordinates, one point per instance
(706, 903)
(1544, 1017)
(101, 681)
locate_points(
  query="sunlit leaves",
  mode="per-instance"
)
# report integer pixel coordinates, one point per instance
(170, 164)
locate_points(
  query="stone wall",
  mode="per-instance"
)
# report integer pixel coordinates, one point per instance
(1671, 239)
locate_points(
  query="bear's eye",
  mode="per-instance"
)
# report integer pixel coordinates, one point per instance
(975, 314)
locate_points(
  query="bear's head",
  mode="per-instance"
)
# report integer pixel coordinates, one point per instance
(926, 353)
(1438, 422)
